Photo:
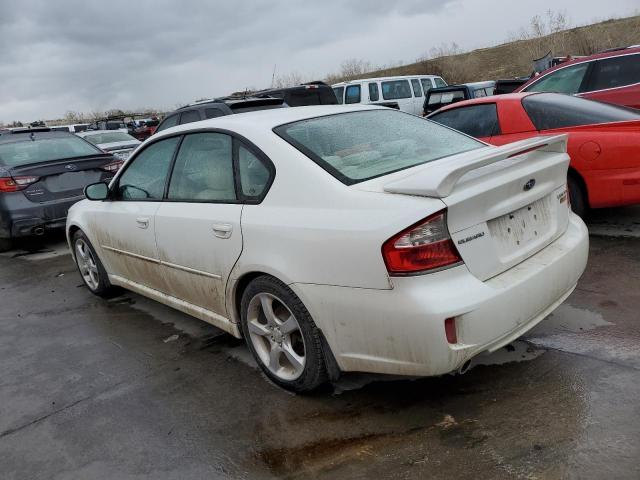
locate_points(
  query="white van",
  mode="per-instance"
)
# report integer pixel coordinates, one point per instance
(405, 93)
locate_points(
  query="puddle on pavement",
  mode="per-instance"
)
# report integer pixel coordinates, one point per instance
(568, 319)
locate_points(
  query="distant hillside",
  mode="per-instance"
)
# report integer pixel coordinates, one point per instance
(515, 58)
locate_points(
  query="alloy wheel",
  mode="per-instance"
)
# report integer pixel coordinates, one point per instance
(87, 264)
(276, 336)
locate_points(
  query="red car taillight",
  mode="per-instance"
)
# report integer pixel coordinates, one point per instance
(14, 184)
(113, 166)
(421, 247)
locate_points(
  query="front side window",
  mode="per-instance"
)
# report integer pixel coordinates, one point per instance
(440, 82)
(254, 175)
(548, 111)
(44, 149)
(374, 93)
(417, 90)
(170, 121)
(396, 89)
(204, 169)
(566, 80)
(352, 94)
(615, 72)
(339, 91)
(357, 146)
(479, 93)
(145, 176)
(477, 120)
(189, 116)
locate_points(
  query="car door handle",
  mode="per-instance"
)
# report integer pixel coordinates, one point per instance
(222, 230)
(142, 222)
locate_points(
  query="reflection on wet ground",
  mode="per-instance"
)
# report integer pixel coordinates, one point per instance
(127, 388)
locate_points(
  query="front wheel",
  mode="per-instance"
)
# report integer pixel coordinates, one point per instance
(282, 336)
(90, 267)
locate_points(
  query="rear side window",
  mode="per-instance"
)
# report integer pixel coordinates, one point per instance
(352, 94)
(189, 116)
(548, 111)
(476, 120)
(417, 90)
(566, 80)
(254, 175)
(146, 175)
(339, 91)
(374, 93)
(170, 121)
(396, 89)
(204, 169)
(615, 72)
(213, 113)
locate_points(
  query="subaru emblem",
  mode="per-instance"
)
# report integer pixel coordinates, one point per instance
(70, 167)
(529, 185)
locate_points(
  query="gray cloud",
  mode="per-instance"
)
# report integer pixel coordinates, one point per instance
(79, 55)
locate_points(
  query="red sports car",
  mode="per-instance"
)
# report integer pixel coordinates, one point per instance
(604, 139)
(612, 77)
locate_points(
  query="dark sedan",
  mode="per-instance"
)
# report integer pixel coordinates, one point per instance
(43, 173)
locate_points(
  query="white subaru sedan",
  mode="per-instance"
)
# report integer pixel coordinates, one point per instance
(337, 239)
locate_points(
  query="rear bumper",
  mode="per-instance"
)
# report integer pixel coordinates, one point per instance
(401, 331)
(20, 217)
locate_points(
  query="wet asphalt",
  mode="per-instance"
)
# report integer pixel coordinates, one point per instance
(130, 389)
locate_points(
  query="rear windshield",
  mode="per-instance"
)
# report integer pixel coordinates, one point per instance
(358, 146)
(553, 110)
(446, 98)
(110, 137)
(41, 150)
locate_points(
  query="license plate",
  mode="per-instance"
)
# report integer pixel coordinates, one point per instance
(521, 227)
(71, 181)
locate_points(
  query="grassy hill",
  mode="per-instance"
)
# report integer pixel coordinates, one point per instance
(515, 58)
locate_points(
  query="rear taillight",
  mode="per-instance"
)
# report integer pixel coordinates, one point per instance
(112, 167)
(14, 184)
(421, 247)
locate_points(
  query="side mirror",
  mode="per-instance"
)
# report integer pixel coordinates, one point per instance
(97, 191)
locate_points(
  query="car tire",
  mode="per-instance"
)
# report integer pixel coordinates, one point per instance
(90, 267)
(276, 325)
(578, 197)
(6, 244)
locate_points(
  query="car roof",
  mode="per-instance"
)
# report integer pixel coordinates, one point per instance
(458, 86)
(268, 119)
(93, 132)
(618, 52)
(383, 79)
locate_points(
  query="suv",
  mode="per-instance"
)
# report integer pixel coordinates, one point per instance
(439, 97)
(217, 108)
(611, 76)
(404, 93)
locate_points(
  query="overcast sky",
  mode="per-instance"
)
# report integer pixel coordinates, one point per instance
(95, 55)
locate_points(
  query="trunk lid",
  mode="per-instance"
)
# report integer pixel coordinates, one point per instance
(62, 178)
(504, 204)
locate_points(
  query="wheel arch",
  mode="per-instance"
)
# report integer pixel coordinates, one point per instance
(572, 172)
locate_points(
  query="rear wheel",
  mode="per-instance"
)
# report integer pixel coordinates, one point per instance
(90, 267)
(282, 335)
(6, 244)
(578, 196)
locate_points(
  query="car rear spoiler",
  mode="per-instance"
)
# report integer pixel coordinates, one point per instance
(440, 177)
